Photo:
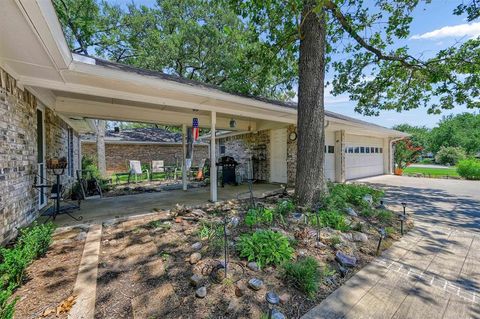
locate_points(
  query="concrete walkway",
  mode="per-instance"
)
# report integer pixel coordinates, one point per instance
(101, 209)
(433, 272)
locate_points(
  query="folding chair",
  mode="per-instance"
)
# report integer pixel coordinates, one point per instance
(158, 167)
(136, 169)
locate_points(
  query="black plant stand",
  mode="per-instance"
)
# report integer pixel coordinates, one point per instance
(58, 169)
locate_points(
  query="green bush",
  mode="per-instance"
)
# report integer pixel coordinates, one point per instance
(305, 275)
(384, 216)
(285, 207)
(343, 195)
(258, 216)
(265, 247)
(32, 243)
(450, 155)
(333, 219)
(469, 169)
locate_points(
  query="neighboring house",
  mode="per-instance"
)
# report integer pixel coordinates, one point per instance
(49, 95)
(143, 144)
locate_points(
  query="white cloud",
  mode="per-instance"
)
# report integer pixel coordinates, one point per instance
(470, 30)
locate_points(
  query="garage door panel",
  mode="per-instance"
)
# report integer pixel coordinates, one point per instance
(364, 164)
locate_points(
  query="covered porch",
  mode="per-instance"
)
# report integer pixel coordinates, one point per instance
(99, 210)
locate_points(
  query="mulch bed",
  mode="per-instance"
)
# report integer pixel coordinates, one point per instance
(144, 268)
(50, 280)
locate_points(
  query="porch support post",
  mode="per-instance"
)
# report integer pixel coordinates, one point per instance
(184, 157)
(387, 156)
(340, 156)
(213, 160)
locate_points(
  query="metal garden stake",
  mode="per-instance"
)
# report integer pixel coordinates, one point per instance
(404, 208)
(402, 219)
(382, 235)
(225, 239)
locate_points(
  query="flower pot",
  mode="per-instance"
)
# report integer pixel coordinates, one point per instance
(398, 171)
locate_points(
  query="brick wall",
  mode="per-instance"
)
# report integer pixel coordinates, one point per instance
(18, 154)
(249, 148)
(118, 155)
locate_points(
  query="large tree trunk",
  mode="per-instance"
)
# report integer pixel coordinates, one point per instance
(101, 164)
(310, 181)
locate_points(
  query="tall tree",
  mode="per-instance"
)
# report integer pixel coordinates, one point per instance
(420, 135)
(360, 47)
(462, 130)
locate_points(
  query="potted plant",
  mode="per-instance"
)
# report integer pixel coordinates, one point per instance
(405, 153)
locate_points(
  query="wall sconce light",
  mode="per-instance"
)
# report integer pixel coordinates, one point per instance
(233, 123)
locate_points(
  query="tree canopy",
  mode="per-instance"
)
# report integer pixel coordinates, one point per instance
(195, 39)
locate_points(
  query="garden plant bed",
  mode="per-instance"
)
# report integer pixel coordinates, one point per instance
(146, 264)
(50, 280)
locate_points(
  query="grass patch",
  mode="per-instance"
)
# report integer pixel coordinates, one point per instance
(333, 219)
(431, 171)
(306, 275)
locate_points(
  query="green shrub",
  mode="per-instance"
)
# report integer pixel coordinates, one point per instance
(335, 240)
(304, 274)
(209, 231)
(450, 155)
(469, 169)
(265, 247)
(389, 231)
(32, 243)
(384, 216)
(285, 207)
(343, 195)
(258, 216)
(332, 219)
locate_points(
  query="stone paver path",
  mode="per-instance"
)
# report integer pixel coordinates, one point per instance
(433, 272)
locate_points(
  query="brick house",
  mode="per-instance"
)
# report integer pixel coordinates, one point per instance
(143, 144)
(48, 96)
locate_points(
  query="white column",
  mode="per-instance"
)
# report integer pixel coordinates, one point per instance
(184, 157)
(213, 160)
(387, 157)
(340, 156)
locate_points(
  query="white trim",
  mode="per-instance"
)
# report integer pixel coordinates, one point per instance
(42, 191)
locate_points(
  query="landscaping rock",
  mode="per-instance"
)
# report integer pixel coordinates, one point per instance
(255, 284)
(320, 245)
(361, 237)
(233, 306)
(197, 246)
(347, 237)
(81, 236)
(277, 314)
(240, 289)
(252, 266)
(234, 222)
(198, 212)
(195, 258)
(298, 217)
(350, 211)
(284, 298)
(343, 271)
(368, 198)
(201, 292)
(178, 220)
(195, 280)
(345, 260)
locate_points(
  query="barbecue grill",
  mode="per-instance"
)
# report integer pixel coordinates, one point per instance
(228, 165)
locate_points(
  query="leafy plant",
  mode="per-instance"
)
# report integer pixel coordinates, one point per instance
(384, 216)
(335, 240)
(285, 207)
(389, 231)
(265, 247)
(332, 219)
(258, 216)
(304, 274)
(450, 155)
(469, 169)
(406, 153)
(342, 196)
(210, 230)
(32, 243)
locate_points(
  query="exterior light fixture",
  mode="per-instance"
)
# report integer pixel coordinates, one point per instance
(233, 123)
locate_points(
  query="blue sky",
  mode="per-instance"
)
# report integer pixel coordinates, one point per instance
(434, 27)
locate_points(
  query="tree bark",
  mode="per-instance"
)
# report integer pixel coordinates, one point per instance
(101, 164)
(310, 181)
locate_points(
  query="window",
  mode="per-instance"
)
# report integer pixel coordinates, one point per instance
(331, 149)
(362, 149)
(372, 149)
(222, 149)
(367, 150)
(381, 150)
(376, 149)
(70, 166)
(350, 149)
(357, 150)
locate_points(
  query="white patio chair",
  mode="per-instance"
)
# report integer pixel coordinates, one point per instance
(136, 169)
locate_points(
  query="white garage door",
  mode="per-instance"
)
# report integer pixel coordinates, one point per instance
(329, 156)
(363, 156)
(278, 152)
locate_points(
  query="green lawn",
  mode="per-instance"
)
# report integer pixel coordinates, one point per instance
(429, 171)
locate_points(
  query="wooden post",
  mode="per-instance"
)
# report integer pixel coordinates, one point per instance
(213, 160)
(184, 157)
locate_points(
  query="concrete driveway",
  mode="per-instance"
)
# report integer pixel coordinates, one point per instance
(434, 271)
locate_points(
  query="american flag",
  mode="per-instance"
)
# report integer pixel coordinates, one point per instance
(195, 129)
